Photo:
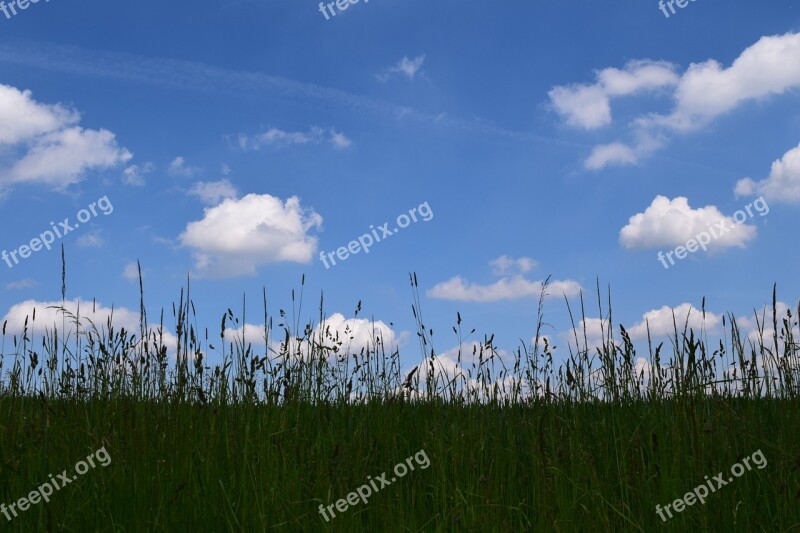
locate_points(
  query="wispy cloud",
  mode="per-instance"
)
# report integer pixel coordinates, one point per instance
(92, 239)
(21, 284)
(279, 137)
(134, 174)
(131, 272)
(405, 67)
(200, 77)
(505, 265)
(178, 167)
(213, 192)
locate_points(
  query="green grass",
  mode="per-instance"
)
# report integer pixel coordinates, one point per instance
(253, 468)
(260, 441)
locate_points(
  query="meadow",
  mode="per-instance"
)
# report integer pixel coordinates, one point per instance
(260, 441)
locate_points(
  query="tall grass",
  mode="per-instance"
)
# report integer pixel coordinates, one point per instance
(315, 364)
(302, 416)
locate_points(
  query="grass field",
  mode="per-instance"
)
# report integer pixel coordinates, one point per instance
(264, 439)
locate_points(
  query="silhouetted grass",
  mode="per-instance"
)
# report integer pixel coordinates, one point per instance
(516, 442)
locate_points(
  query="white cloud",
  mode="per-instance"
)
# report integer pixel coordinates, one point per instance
(762, 318)
(589, 107)
(508, 288)
(541, 344)
(49, 316)
(582, 106)
(505, 265)
(61, 158)
(661, 321)
(702, 93)
(212, 192)
(92, 239)
(771, 66)
(278, 137)
(673, 222)
(405, 67)
(745, 187)
(511, 286)
(339, 140)
(178, 167)
(131, 272)
(597, 331)
(614, 153)
(26, 283)
(446, 373)
(237, 236)
(46, 145)
(355, 334)
(622, 154)
(336, 334)
(134, 174)
(275, 136)
(782, 184)
(22, 119)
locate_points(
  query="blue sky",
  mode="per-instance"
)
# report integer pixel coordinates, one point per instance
(236, 140)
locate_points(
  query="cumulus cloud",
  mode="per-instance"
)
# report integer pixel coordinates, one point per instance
(22, 119)
(50, 316)
(661, 321)
(707, 90)
(673, 222)
(337, 335)
(702, 93)
(457, 368)
(62, 157)
(513, 285)
(278, 137)
(237, 236)
(782, 184)
(596, 332)
(213, 192)
(508, 288)
(405, 67)
(45, 145)
(541, 344)
(589, 106)
(446, 364)
(354, 334)
(758, 327)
